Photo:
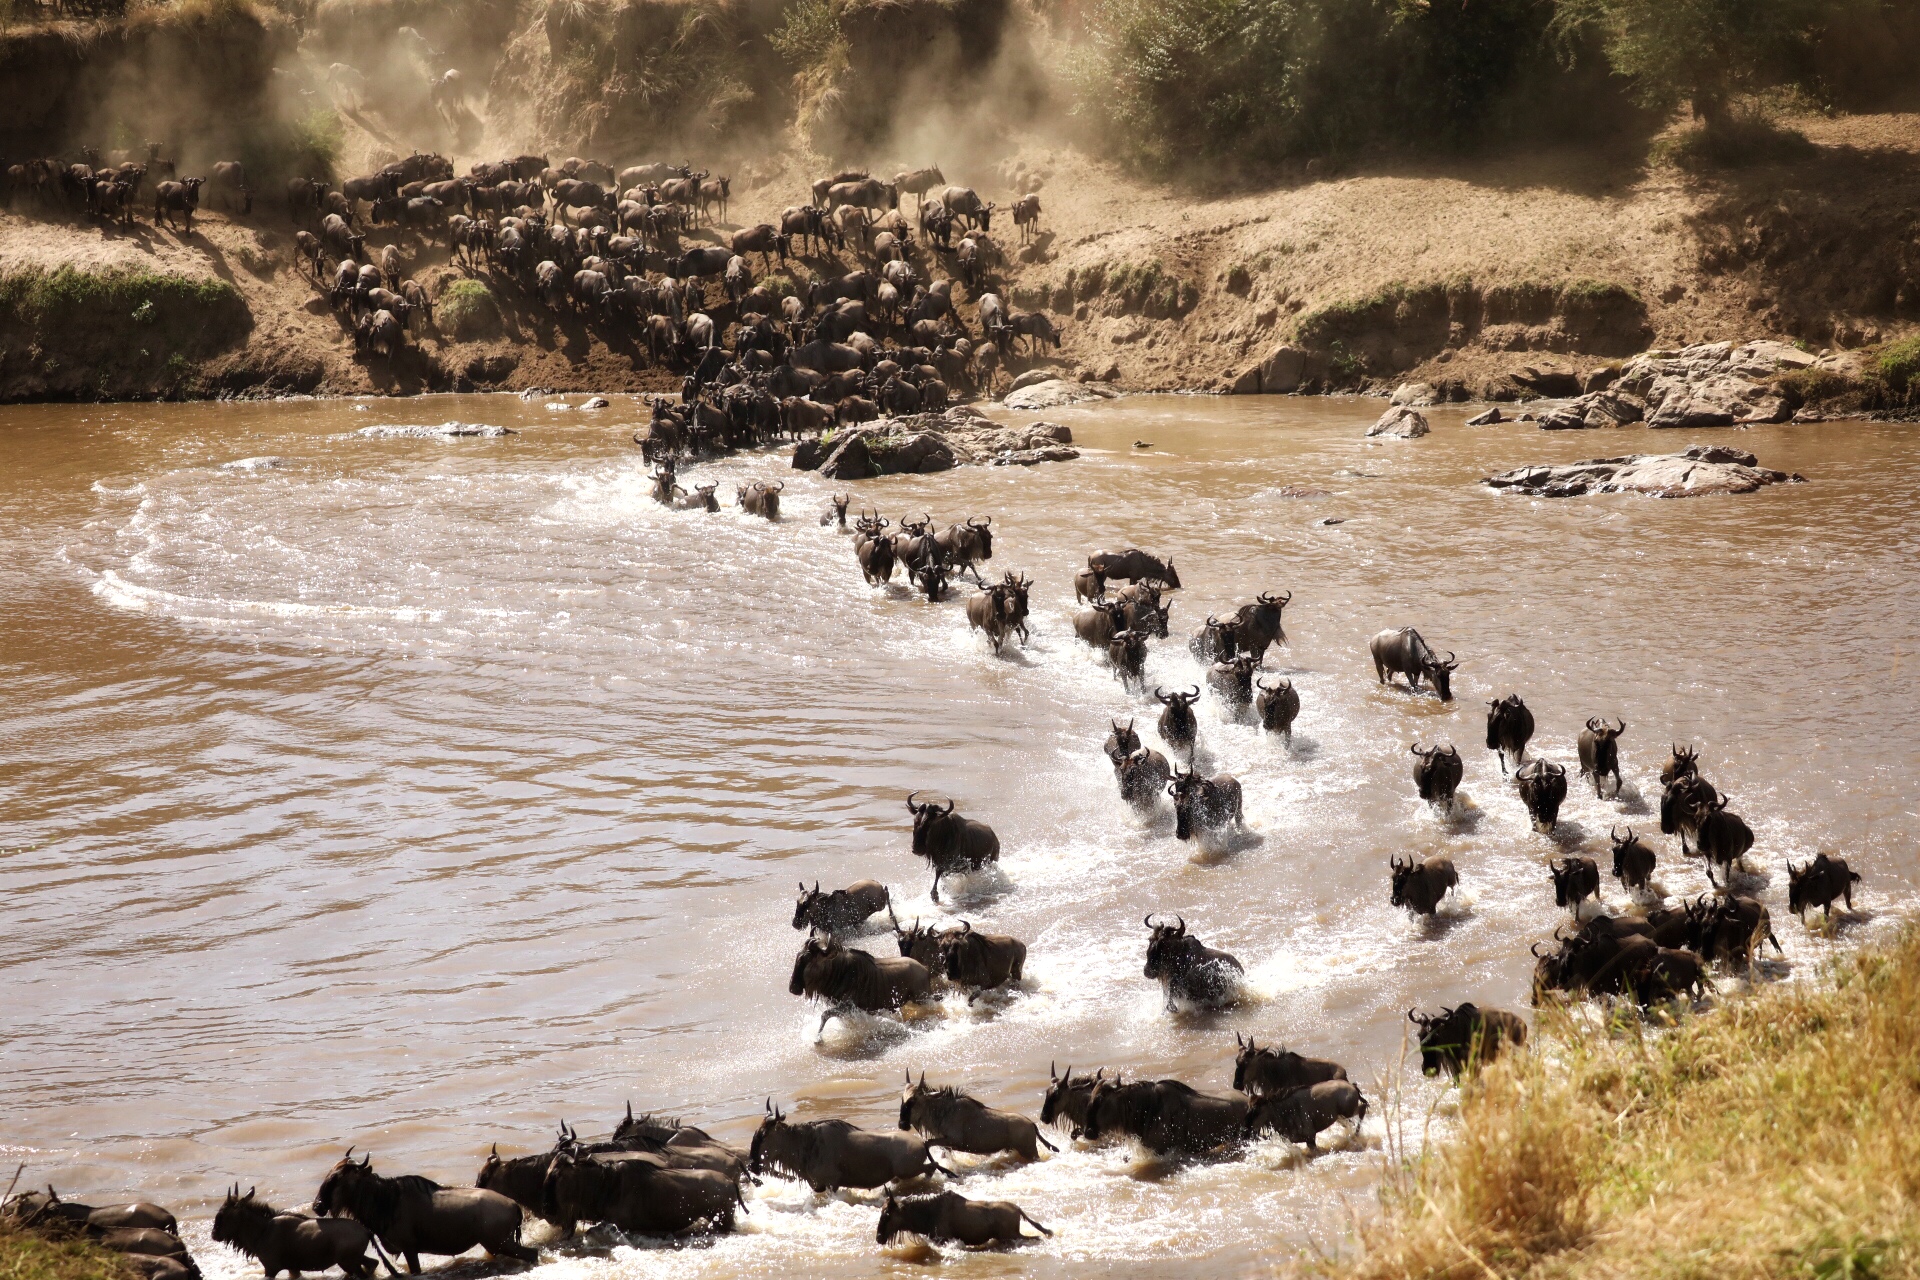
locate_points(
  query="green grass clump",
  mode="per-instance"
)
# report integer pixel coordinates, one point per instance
(1776, 1136)
(1899, 368)
(29, 1255)
(70, 309)
(466, 310)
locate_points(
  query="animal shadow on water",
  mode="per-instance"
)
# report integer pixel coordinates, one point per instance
(855, 1036)
(1214, 848)
(1462, 817)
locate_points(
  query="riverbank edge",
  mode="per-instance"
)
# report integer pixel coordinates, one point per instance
(1776, 1135)
(28, 1255)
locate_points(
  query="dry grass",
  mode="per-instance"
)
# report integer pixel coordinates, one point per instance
(27, 1255)
(1777, 1136)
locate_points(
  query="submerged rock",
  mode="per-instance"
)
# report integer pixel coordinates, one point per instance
(1702, 469)
(1402, 422)
(1487, 418)
(921, 443)
(1055, 393)
(1596, 409)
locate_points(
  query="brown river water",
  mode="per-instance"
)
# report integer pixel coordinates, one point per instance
(364, 785)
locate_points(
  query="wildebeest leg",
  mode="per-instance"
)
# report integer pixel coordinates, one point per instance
(513, 1249)
(413, 1262)
(936, 885)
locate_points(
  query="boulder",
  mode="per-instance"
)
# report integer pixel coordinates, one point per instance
(1055, 393)
(1283, 371)
(1487, 418)
(919, 454)
(1715, 400)
(1033, 377)
(1549, 379)
(1700, 470)
(809, 454)
(1567, 417)
(850, 460)
(1402, 422)
(1416, 394)
(1599, 379)
(1597, 409)
(1033, 457)
(1246, 384)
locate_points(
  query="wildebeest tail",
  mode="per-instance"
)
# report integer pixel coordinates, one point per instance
(381, 1254)
(937, 1167)
(1043, 1141)
(1035, 1225)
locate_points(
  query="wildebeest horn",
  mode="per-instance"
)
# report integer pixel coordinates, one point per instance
(776, 487)
(1147, 920)
(1195, 693)
(910, 796)
(1534, 950)
(1212, 621)
(1053, 1071)
(1159, 693)
(1287, 599)
(1622, 729)
(1414, 747)
(948, 809)
(345, 1157)
(629, 1110)
(1183, 923)
(1595, 724)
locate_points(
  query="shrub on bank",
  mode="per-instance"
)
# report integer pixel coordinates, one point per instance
(466, 311)
(1777, 1135)
(104, 334)
(28, 1255)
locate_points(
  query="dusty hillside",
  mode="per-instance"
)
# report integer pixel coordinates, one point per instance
(1461, 272)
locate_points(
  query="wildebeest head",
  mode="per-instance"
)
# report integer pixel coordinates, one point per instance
(1176, 700)
(983, 536)
(1066, 1098)
(1573, 880)
(890, 1218)
(1598, 727)
(1122, 742)
(816, 948)
(757, 1150)
(1440, 671)
(803, 907)
(1167, 947)
(1402, 873)
(925, 817)
(337, 1189)
(240, 1217)
(1684, 762)
(1543, 788)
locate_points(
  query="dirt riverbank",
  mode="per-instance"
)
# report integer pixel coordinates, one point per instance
(1463, 275)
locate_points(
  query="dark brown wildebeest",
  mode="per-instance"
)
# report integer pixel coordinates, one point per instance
(950, 1216)
(830, 1154)
(1731, 929)
(182, 198)
(1268, 1072)
(1683, 762)
(1089, 585)
(1178, 727)
(1405, 652)
(760, 498)
(990, 610)
(1509, 728)
(1259, 624)
(1278, 705)
(1684, 804)
(1127, 654)
(1134, 565)
(1232, 682)
(291, 1242)
(1216, 640)
(841, 911)
(874, 549)
(1066, 1098)
(1543, 787)
(31, 1205)
(147, 1242)
(1465, 1036)
(1600, 754)
(923, 942)
(1574, 879)
(981, 961)
(1026, 216)
(951, 1119)
(1121, 742)
(637, 1192)
(966, 546)
(411, 1215)
(931, 577)
(1189, 969)
(1301, 1114)
(1818, 883)
(1143, 775)
(1097, 623)
(303, 199)
(918, 182)
(846, 977)
(1168, 1117)
(664, 485)
(836, 512)
(1633, 861)
(952, 844)
(521, 1179)
(1202, 806)
(1437, 771)
(1419, 886)
(230, 181)
(1722, 838)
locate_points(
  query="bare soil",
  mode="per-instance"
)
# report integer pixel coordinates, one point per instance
(1821, 248)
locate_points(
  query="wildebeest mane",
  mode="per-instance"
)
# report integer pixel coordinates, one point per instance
(800, 1144)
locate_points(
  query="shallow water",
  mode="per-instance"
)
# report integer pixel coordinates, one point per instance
(367, 784)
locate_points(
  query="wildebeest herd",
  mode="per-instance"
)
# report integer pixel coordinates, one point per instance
(653, 1176)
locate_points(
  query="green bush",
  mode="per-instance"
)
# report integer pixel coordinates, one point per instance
(75, 308)
(1899, 369)
(466, 311)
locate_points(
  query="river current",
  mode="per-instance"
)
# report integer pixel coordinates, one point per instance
(369, 784)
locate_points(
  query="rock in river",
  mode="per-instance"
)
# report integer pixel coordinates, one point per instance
(919, 443)
(1402, 421)
(1056, 392)
(1700, 470)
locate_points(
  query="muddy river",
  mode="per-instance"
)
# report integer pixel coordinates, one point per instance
(366, 784)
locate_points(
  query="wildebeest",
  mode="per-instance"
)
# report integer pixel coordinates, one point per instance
(950, 1118)
(637, 1192)
(759, 498)
(846, 977)
(922, 942)
(952, 844)
(165, 1250)
(1684, 805)
(1089, 585)
(1178, 727)
(1684, 762)
(1722, 839)
(1026, 215)
(1134, 565)
(182, 198)
(1731, 929)
(1419, 886)
(1168, 1117)
(1509, 728)
(874, 549)
(1437, 771)
(1404, 651)
(1121, 741)
(1127, 654)
(1190, 970)
(1268, 1072)
(1818, 883)
(841, 911)
(1278, 705)
(291, 1242)
(1574, 879)
(977, 1224)
(919, 181)
(1232, 682)
(33, 1206)
(1066, 1098)
(1633, 861)
(411, 1215)
(994, 610)
(966, 546)
(1143, 775)
(981, 961)
(1600, 754)
(1097, 623)
(1301, 1114)
(1543, 787)
(1204, 805)
(1465, 1036)
(1259, 624)
(931, 577)
(829, 1154)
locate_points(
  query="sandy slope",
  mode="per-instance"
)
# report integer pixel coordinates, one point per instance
(1710, 257)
